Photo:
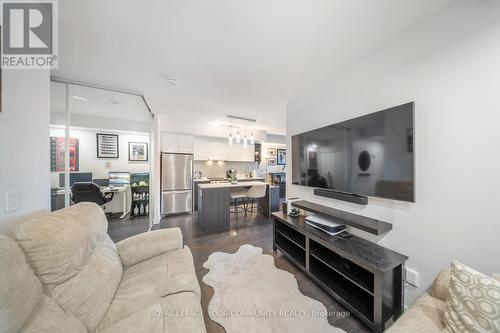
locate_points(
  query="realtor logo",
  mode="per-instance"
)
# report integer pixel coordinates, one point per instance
(29, 34)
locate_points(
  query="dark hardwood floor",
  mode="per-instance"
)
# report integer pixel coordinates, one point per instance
(119, 229)
(253, 229)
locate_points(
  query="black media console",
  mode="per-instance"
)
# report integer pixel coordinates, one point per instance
(364, 277)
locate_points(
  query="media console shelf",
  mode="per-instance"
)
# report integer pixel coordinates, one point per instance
(367, 224)
(364, 277)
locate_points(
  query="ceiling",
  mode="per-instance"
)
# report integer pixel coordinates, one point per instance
(244, 58)
(94, 102)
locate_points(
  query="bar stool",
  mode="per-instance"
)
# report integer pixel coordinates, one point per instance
(255, 192)
(235, 195)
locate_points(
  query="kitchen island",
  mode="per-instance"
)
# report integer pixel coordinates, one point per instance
(214, 203)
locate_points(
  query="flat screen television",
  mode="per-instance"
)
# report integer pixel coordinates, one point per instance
(372, 155)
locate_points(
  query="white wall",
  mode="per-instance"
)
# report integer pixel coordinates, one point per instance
(448, 65)
(24, 140)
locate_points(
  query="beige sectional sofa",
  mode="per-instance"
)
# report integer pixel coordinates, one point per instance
(427, 313)
(62, 273)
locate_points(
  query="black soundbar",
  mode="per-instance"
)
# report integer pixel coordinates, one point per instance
(344, 196)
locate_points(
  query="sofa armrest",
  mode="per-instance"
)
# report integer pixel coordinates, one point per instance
(147, 245)
(441, 285)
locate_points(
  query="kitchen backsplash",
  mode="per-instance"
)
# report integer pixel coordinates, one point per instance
(212, 169)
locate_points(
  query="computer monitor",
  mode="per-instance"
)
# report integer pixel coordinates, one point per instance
(101, 181)
(119, 178)
(75, 177)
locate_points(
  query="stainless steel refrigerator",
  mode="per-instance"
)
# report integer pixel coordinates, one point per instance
(176, 183)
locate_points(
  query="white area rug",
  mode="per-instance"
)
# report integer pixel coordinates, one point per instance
(252, 295)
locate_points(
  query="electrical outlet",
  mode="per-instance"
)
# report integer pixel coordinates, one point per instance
(12, 201)
(412, 277)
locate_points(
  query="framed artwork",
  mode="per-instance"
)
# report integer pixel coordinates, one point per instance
(107, 146)
(271, 161)
(281, 156)
(271, 152)
(57, 154)
(137, 151)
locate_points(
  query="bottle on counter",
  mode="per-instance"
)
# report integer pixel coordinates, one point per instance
(141, 210)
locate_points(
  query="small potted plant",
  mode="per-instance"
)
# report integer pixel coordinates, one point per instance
(234, 179)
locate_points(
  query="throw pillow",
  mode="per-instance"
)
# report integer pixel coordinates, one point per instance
(474, 302)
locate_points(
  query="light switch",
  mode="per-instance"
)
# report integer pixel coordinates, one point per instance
(12, 201)
(412, 277)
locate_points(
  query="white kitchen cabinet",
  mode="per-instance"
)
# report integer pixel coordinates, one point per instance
(201, 149)
(219, 150)
(240, 153)
(216, 149)
(250, 153)
(186, 143)
(169, 142)
(177, 143)
(233, 152)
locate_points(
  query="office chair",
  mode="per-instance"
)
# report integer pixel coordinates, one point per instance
(89, 192)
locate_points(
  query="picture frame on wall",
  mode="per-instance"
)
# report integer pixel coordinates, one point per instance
(138, 151)
(271, 152)
(271, 161)
(281, 156)
(108, 145)
(58, 154)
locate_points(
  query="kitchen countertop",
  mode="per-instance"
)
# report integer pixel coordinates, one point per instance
(245, 179)
(229, 185)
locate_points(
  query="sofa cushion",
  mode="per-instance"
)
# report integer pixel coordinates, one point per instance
(49, 317)
(58, 244)
(89, 294)
(474, 301)
(20, 290)
(144, 320)
(143, 284)
(179, 313)
(147, 245)
(182, 313)
(425, 315)
(441, 285)
(71, 253)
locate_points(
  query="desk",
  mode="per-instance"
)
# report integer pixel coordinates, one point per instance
(125, 190)
(214, 201)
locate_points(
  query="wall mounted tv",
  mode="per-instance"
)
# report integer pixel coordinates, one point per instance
(372, 155)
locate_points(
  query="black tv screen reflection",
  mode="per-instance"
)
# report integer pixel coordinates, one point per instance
(371, 155)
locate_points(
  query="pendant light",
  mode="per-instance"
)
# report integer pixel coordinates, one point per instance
(238, 137)
(230, 138)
